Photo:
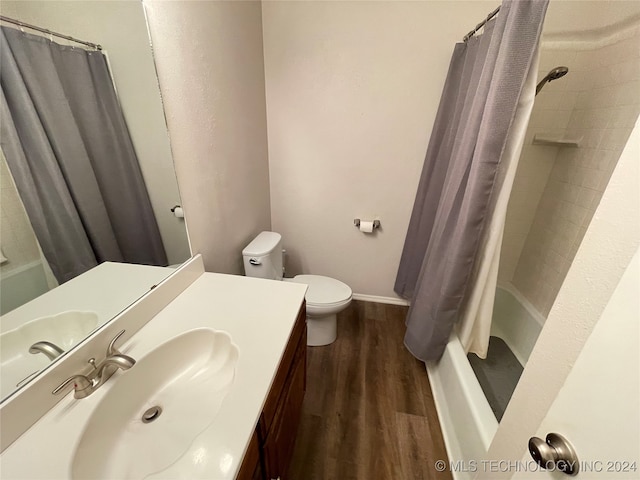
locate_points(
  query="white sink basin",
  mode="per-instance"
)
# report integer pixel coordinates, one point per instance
(64, 330)
(187, 378)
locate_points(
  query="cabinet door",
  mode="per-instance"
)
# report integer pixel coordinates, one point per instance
(283, 375)
(257, 473)
(279, 444)
(251, 468)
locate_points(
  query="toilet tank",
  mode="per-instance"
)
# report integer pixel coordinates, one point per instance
(263, 256)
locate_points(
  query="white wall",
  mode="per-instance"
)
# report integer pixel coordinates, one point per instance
(352, 92)
(615, 337)
(120, 27)
(210, 65)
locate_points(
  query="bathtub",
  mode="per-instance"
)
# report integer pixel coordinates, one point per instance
(21, 285)
(467, 422)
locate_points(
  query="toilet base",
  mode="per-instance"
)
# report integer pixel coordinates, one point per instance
(321, 330)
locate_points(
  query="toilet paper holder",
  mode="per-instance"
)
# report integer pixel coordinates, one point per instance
(177, 211)
(376, 223)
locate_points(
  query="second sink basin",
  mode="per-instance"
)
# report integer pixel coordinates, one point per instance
(155, 410)
(65, 330)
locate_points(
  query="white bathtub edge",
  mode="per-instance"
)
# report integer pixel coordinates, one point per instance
(528, 306)
(378, 299)
(446, 426)
(485, 420)
(464, 440)
(519, 327)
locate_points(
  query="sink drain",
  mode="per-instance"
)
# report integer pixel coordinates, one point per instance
(151, 414)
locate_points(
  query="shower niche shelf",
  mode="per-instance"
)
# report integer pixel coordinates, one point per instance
(551, 140)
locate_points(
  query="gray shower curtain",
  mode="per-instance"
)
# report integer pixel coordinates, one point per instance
(69, 150)
(480, 97)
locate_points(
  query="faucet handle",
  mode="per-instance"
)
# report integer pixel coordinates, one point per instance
(92, 362)
(111, 349)
(81, 386)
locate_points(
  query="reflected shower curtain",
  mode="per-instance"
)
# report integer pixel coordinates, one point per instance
(461, 177)
(71, 156)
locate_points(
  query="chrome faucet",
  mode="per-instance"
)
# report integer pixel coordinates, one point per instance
(109, 366)
(51, 350)
(85, 385)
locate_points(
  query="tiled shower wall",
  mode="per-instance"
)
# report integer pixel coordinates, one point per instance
(551, 113)
(603, 88)
(17, 239)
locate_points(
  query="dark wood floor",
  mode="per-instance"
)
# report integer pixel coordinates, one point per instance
(368, 412)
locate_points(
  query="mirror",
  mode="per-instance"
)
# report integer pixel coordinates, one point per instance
(578, 128)
(39, 318)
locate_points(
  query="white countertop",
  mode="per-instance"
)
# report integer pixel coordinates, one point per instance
(258, 315)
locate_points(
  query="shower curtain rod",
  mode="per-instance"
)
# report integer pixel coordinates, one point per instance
(49, 32)
(480, 25)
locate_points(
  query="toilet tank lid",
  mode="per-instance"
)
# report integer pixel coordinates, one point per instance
(263, 244)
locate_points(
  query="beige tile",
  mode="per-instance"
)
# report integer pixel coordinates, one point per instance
(575, 81)
(585, 197)
(578, 175)
(592, 179)
(577, 214)
(624, 116)
(628, 93)
(583, 60)
(588, 157)
(627, 71)
(602, 77)
(629, 48)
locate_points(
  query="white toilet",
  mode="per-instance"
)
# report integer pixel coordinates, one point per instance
(325, 296)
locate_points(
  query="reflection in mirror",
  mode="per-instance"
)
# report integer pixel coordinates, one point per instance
(87, 178)
(22, 349)
(579, 125)
(66, 315)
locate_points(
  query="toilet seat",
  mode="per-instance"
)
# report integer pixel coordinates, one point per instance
(325, 298)
(324, 291)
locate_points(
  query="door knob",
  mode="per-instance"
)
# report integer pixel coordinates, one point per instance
(554, 454)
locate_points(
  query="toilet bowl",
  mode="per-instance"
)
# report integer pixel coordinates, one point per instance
(325, 296)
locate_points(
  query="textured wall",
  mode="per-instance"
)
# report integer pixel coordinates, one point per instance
(352, 92)
(210, 65)
(622, 352)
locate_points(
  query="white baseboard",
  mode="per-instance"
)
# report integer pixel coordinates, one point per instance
(377, 299)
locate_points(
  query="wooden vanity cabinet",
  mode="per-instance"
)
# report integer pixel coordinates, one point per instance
(251, 468)
(271, 446)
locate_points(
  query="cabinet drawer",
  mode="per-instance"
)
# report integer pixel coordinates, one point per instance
(298, 334)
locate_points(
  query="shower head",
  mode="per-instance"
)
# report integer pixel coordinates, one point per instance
(557, 73)
(554, 74)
